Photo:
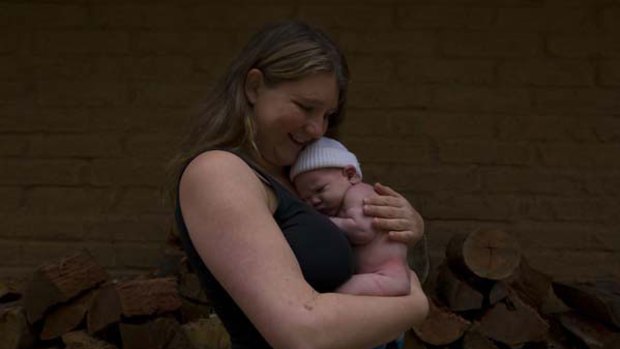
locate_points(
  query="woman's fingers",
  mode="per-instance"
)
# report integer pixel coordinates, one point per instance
(385, 211)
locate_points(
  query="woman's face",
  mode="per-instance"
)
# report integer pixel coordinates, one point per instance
(290, 114)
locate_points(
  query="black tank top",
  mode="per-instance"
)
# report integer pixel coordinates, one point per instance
(321, 248)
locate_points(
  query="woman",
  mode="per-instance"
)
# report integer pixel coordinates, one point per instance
(267, 261)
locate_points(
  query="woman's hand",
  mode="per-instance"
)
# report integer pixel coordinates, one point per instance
(392, 213)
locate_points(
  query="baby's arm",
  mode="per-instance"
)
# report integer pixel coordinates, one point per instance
(351, 218)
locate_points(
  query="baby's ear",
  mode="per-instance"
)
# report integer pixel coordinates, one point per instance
(351, 173)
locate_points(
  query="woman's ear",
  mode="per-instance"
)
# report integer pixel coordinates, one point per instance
(253, 82)
(351, 173)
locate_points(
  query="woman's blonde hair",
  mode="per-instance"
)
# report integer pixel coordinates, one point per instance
(282, 51)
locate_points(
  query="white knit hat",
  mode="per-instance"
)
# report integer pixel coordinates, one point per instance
(324, 152)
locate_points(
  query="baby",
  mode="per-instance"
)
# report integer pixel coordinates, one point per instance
(328, 177)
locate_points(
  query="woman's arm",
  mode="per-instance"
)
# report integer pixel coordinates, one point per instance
(229, 217)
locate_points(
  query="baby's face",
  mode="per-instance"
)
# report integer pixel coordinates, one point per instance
(324, 189)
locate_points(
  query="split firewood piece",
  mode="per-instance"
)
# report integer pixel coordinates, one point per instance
(148, 297)
(190, 288)
(82, 340)
(486, 253)
(9, 292)
(66, 317)
(454, 292)
(191, 311)
(163, 332)
(59, 281)
(14, 330)
(598, 299)
(104, 310)
(171, 263)
(532, 286)
(441, 326)
(592, 333)
(473, 339)
(207, 333)
(513, 322)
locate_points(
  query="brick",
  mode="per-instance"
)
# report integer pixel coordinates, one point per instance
(607, 129)
(228, 16)
(371, 68)
(580, 155)
(609, 19)
(170, 94)
(531, 181)
(367, 123)
(14, 67)
(480, 99)
(490, 44)
(42, 15)
(13, 145)
(81, 42)
(139, 255)
(211, 67)
(413, 43)
(132, 228)
(15, 92)
(152, 146)
(381, 150)
(448, 16)
(548, 128)
(136, 118)
(118, 15)
(437, 125)
(126, 171)
(178, 42)
(585, 45)
(585, 100)
(378, 95)
(36, 253)
(423, 180)
(556, 72)
(467, 206)
(605, 183)
(575, 265)
(26, 225)
(79, 146)
(485, 152)
(83, 93)
(20, 171)
(547, 19)
(558, 236)
(443, 71)
(11, 199)
(10, 253)
(578, 209)
(64, 200)
(161, 68)
(74, 67)
(141, 201)
(12, 40)
(609, 73)
(348, 16)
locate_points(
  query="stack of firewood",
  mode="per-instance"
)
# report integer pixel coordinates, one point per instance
(486, 296)
(73, 303)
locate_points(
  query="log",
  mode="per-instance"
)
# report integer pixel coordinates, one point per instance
(599, 299)
(82, 340)
(473, 339)
(163, 332)
(207, 333)
(66, 317)
(487, 254)
(104, 310)
(513, 322)
(412, 341)
(148, 297)
(59, 281)
(14, 330)
(190, 288)
(441, 326)
(455, 293)
(592, 333)
(532, 286)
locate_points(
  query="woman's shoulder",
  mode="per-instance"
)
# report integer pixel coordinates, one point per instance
(219, 171)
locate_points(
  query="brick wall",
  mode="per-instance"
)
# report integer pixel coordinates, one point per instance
(483, 113)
